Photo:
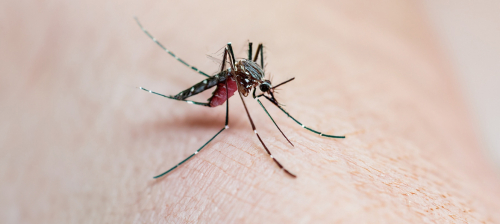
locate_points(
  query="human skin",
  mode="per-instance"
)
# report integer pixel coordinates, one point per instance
(80, 143)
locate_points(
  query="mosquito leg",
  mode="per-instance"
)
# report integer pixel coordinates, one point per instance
(199, 87)
(168, 51)
(260, 51)
(302, 125)
(262, 56)
(249, 50)
(226, 126)
(230, 48)
(265, 147)
(189, 157)
(274, 122)
(171, 97)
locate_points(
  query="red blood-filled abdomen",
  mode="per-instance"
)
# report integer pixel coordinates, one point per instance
(219, 95)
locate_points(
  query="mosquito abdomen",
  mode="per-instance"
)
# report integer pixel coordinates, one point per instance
(202, 86)
(220, 95)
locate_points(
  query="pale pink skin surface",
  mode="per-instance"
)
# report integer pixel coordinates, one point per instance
(80, 143)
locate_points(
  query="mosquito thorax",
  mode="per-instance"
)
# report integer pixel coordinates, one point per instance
(248, 74)
(250, 68)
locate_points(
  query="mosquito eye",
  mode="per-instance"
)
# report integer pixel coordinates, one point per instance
(264, 87)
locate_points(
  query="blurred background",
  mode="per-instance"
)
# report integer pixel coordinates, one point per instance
(469, 31)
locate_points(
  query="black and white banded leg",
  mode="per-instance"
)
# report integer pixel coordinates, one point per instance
(264, 145)
(171, 97)
(250, 118)
(296, 121)
(259, 49)
(199, 87)
(226, 126)
(250, 50)
(168, 51)
(268, 114)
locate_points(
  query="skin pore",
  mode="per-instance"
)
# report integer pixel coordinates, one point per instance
(80, 143)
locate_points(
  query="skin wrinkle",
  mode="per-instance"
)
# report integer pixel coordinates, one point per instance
(228, 157)
(230, 194)
(238, 198)
(249, 168)
(202, 192)
(233, 177)
(238, 148)
(398, 184)
(258, 146)
(224, 171)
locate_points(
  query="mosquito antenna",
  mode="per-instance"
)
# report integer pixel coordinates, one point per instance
(168, 51)
(302, 125)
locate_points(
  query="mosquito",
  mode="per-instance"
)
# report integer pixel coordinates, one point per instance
(242, 76)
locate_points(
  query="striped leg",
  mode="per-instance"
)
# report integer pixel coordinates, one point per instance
(199, 87)
(262, 105)
(169, 52)
(203, 146)
(260, 50)
(262, 62)
(171, 97)
(250, 51)
(226, 126)
(265, 147)
(302, 125)
(231, 55)
(196, 152)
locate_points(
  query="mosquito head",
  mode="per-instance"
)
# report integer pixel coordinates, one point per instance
(265, 86)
